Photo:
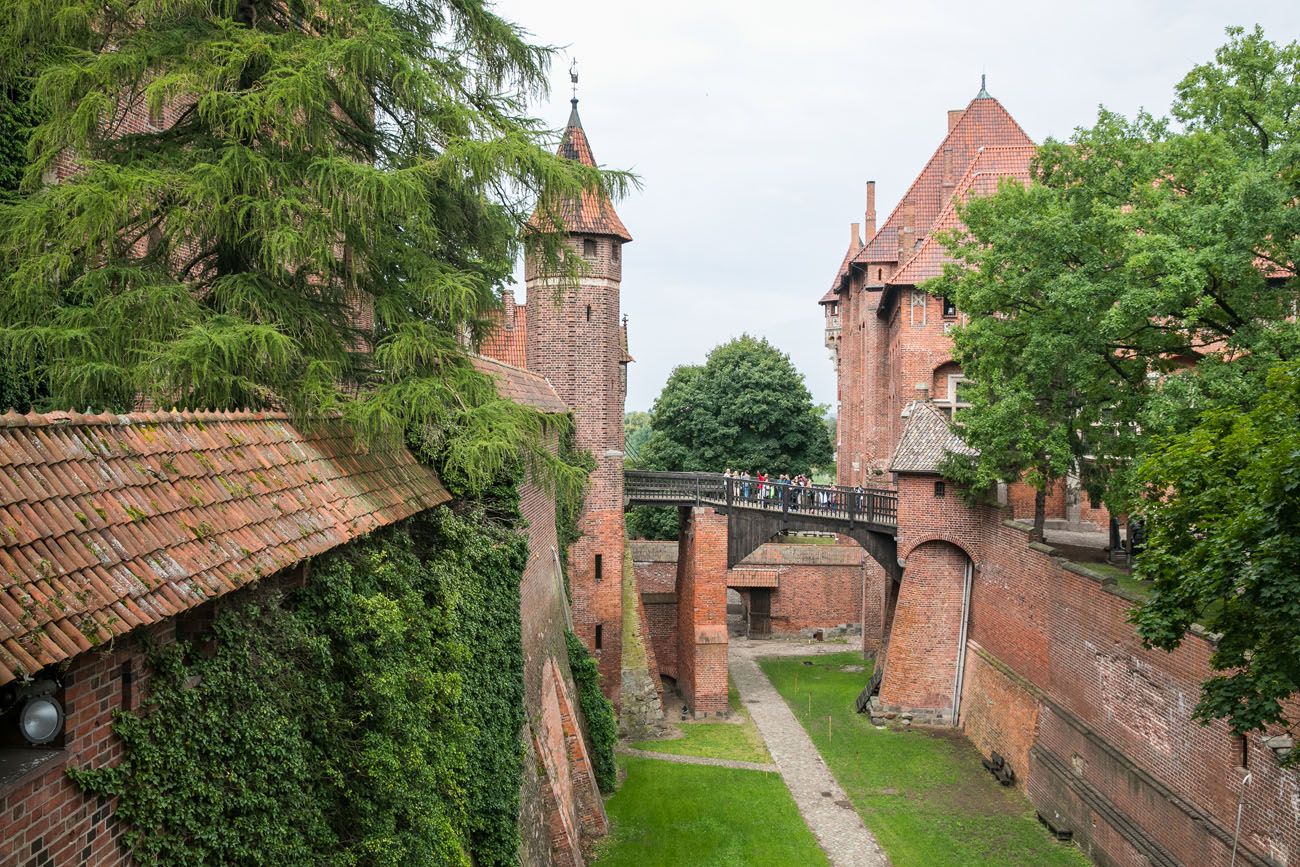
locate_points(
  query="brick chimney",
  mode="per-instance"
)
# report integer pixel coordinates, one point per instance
(870, 223)
(949, 172)
(954, 116)
(508, 309)
(906, 230)
(855, 240)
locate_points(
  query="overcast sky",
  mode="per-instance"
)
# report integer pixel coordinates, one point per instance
(755, 125)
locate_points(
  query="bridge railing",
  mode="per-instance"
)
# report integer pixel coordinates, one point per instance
(836, 502)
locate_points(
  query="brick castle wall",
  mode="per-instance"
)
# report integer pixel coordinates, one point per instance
(1098, 728)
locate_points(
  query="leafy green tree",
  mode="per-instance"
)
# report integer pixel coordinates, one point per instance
(1134, 308)
(308, 166)
(1223, 549)
(745, 408)
(636, 430)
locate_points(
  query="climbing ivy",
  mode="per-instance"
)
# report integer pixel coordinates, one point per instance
(602, 730)
(370, 717)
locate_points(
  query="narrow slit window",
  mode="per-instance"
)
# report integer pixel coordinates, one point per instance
(600, 566)
(588, 312)
(1244, 744)
(614, 249)
(599, 636)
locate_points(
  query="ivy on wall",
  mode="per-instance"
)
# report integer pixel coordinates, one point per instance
(602, 728)
(370, 717)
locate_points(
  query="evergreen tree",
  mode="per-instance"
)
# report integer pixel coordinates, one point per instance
(256, 181)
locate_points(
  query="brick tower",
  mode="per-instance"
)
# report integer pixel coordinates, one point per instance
(576, 340)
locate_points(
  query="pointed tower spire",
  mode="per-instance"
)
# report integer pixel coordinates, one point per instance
(983, 94)
(590, 213)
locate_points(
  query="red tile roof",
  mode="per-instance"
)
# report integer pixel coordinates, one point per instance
(985, 123)
(521, 386)
(508, 341)
(111, 522)
(590, 213)
(990, 166)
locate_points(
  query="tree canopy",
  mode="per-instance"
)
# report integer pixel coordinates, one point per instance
(745, 408)
(298, 205)
(1131, 320)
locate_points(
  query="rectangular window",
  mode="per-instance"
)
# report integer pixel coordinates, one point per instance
(589, 247)
(598, 636)
(949, 309)
(957, 397)
(614, 248)
(940, 489)
(600, 567)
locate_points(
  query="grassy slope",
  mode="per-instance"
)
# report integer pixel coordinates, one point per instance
(668, 815)
(923, 794)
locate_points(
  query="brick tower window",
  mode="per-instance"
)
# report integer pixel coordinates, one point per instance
(599, 636)
(600, 566)
(615, 249)
(589, 247)
(588, 312)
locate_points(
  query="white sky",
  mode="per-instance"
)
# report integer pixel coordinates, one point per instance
(754, 126)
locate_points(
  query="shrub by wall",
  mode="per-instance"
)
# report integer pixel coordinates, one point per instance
(369, 717)
(602, 728)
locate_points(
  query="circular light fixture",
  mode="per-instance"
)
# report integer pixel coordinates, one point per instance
(41, 719)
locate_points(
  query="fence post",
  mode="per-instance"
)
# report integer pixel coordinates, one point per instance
(850, 502)
(728, 482)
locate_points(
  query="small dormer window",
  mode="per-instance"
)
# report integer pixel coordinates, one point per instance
(589, 247)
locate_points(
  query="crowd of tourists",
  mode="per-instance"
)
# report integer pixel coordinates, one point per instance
(795, 492)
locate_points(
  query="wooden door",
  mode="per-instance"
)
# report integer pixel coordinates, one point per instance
(760, 612)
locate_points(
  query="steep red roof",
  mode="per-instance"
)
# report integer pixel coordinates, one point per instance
(591, 213)
(508, 341)
(990, 166)
(521, 386)
(984, 123)
(926, 441)
(111, 522)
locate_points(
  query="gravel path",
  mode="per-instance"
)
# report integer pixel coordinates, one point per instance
(825, 807)
(699, 760)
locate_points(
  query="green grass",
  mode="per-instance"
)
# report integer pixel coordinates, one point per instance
(738, 741)
(923, 793)
(796, 539)
(720, 740)
(668, 815)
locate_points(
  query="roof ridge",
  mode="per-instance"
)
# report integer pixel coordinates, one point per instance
(938, 151)
(55, 418)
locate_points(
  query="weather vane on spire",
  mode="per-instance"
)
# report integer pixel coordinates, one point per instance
(573, 77)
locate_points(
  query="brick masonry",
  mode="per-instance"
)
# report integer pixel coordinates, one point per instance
(1097, 728)
(702, 611)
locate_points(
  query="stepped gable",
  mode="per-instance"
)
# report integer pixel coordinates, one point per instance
(927, 439)
(984, 123)
(990, 166)
(591, 212)
(111, 522)
(521, 386)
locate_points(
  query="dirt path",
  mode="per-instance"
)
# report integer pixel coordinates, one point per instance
(825, 807)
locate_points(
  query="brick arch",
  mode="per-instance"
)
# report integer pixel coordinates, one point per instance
(944, 538)
(925, 632)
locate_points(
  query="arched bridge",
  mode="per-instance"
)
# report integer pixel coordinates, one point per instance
(757, 512)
